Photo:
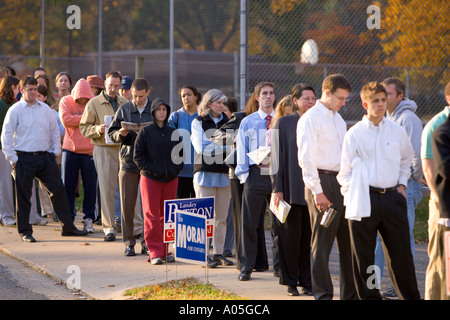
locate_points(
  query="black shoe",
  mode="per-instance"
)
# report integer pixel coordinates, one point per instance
(212, 263)
(73, 233)
(292, 291)
(28, 238)
(144, 249)
(227, 253)
(129, 251)
(307, 291)
(110, 237)
(222, 260)
(244, 276)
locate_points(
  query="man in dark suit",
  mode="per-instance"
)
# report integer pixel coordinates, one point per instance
(294, 235)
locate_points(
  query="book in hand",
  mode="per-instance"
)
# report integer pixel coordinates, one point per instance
(281, 211)
(131, 126)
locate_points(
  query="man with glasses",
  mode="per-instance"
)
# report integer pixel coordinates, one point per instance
(320, 134)
(106, 154)
(30, 140)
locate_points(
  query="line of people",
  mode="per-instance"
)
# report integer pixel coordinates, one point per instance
(371, 174)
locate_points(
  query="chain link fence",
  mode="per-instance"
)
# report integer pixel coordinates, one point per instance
(363, 40)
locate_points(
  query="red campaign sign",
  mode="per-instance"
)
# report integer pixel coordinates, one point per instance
(169, 235)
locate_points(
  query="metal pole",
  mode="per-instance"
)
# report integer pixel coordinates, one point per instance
(243, 49)
(100, 9)
(42, 35)
(171, 64)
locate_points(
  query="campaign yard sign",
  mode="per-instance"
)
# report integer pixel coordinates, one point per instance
(199, 206)
(190, 237)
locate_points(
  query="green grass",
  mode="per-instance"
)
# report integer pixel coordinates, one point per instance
(421, 222)
(183, 289)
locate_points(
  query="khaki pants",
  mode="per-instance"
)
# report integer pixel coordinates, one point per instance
(131, 216)
(106, 160)
(435, 286)
(221, 206)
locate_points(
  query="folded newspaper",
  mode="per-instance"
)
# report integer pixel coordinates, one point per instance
(281, 211)
(136, 127)
(260, 156)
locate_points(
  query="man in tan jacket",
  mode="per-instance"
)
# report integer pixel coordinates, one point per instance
(106, 153)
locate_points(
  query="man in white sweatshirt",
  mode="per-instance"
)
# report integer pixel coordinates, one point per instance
(383, 147)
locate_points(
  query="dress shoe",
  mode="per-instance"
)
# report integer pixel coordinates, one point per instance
(222, 260)
(110, 237)
(292, 291)
(244, 276)
(212, 263)
(28, 238)
(129, 251)
(307, 291)
(74, 232)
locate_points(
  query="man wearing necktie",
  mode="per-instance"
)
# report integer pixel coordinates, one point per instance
(256, 178)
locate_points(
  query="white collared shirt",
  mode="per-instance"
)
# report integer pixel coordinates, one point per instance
(30, 128)
(320, 133)
(385, 149)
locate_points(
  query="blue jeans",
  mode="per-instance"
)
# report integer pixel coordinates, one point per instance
(71, 165)
(413, 196)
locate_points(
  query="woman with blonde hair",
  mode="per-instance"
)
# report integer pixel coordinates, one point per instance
(210, 170)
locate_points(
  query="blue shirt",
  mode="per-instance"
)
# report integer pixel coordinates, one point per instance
(182, 121)
(251, 136)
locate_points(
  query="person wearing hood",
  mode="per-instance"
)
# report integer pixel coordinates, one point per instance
(402, 111)
(159, 164)
(78, 153)
(138, 111)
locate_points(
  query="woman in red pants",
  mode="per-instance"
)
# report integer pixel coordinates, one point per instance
(159, 164)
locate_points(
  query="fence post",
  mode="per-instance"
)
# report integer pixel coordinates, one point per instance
(139, 71)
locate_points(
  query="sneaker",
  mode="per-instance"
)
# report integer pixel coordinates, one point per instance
(40, 222)
(389, 294)
(156, 261)
(8, 222)
(170, 258)
(88, 225)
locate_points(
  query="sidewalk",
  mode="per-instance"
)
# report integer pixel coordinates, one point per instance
(106, 273)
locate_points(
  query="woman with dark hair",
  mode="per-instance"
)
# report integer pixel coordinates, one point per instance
(182, 120)
(9, 88)
(63, 83)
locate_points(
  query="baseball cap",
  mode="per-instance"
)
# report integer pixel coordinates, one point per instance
(126, 82)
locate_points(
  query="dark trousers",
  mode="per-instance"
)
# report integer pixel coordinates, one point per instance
(255, 197)
(236, 204)
(42, 166)
(294, 240)
(322, 240)
(72, 164)
(185, 188)
(389, 217)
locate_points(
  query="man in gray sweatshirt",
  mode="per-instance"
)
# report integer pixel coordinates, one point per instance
(402, 111)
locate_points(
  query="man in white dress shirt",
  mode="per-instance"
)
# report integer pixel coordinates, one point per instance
(320, 133)
(30, 140)
(380, 151)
